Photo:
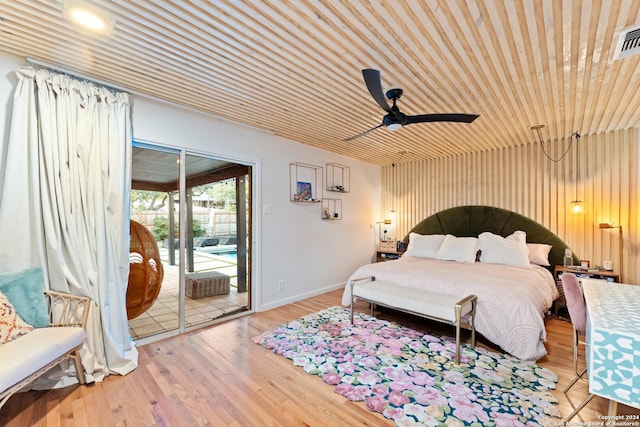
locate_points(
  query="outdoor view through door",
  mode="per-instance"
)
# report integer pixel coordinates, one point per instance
(214, 279)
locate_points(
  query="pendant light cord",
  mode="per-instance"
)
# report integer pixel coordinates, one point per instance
(544, 151)
(577, 135)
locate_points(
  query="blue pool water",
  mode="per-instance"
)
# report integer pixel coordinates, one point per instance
(229, 252)
(232, 256)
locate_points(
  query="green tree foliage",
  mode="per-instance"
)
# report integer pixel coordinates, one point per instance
(222, 194)
(160, 229)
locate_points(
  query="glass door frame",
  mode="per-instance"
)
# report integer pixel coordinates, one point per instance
(250, 237)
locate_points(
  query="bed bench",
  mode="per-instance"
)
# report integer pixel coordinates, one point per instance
(448, 309)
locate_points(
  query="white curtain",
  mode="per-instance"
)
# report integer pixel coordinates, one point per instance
(64, 205)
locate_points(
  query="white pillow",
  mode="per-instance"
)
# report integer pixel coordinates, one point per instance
(425, 246)
(539, 253)
(510, 250)
(461, 249)
(518, 236)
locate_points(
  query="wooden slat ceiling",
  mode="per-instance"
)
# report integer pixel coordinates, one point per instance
(293, 67)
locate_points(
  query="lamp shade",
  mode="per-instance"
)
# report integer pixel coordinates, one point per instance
(577, 207)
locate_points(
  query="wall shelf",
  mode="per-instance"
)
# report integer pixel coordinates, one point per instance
(338, 178)
(331, 209)
(305, 183)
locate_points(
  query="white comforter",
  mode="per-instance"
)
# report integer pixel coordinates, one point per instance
(511, 300)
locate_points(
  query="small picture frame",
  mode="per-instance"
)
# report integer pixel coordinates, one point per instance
(584, 263)
(304, 191)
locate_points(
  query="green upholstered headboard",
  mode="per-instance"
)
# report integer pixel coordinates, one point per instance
(471, 221)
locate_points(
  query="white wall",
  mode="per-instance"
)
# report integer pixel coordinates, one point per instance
(293, 243)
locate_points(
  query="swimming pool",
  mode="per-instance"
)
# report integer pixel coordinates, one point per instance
(228, 252)
(232, 256)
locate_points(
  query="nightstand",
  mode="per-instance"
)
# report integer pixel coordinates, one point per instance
(382, 256)
(560, 303)
(610, 276)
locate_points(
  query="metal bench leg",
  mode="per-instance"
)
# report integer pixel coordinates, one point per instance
(352, 300)
(458, 312)
(458, 316)
(473, 322)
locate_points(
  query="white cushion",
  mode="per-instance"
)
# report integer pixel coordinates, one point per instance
(539, 253)
(424, 246)
(25, 355)
(416, 300)
(461, 249)
(510, 250)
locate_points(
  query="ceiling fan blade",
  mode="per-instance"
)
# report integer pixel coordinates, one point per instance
(374, 85)
(442, 117)
(351, 138)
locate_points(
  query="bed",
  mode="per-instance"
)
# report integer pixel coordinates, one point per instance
(512, 299)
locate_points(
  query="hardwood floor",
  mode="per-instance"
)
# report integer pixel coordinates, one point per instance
(218, 377)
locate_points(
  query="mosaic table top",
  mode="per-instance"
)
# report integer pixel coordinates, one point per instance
(613, 334)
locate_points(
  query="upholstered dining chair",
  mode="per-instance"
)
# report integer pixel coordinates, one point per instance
(578, 313)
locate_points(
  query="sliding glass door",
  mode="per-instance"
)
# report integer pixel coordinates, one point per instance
(206, 264)
(217, 239)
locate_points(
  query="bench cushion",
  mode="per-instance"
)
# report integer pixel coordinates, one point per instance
(411, 299)
(22, 357)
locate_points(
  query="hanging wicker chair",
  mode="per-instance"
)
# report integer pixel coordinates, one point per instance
(145, 271)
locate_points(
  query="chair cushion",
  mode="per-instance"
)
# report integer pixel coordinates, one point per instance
(25, 355)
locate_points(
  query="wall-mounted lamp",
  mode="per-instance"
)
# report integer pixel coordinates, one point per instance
(607, 226)
(382, 233)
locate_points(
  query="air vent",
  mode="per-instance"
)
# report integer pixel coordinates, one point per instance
(628, 43)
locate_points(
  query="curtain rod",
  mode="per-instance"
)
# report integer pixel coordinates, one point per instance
(143, 95)
(69, 73)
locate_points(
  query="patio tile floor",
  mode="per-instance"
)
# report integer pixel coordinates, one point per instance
(163, 314)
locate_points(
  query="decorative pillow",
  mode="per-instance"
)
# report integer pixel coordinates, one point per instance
(539, 253)
(510, 250)
(425, 246)
(461, 249)
(11, 325)
(518, 236)
(25, 292)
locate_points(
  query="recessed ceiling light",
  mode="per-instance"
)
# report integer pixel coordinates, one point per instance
(87, 16)
(87, 19)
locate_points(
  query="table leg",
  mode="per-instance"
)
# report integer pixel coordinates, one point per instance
(613, 407)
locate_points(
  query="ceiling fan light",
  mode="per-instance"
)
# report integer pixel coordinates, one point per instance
(394, 126)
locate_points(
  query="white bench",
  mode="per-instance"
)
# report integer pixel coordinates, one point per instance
(29, 356)
(434, 306)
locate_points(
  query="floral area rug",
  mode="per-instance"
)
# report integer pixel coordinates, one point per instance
(409, 376)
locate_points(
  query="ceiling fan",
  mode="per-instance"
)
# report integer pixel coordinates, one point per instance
(395, 119)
